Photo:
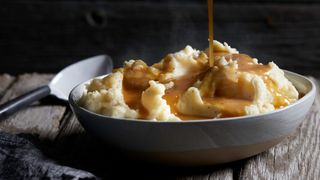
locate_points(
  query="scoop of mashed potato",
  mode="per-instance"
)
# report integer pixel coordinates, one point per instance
(182, 86)
(156, 106)
(104, 96)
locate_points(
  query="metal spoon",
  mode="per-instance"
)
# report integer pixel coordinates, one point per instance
(61, 85)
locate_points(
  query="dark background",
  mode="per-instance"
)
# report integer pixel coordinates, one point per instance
(44, 36)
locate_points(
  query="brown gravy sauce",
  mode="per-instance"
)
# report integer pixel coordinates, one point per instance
(279, 99)
(246, 64)
(132, 98)
(230, 105)
(210, 30)
(180, 86)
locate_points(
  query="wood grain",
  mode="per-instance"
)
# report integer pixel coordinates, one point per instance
(215, 174)
(297, 157)
(70, 126)
(43, 120)
(25, 83)
(45, 36)
(6, 81)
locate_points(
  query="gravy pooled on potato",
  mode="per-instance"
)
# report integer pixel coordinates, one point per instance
(182, 86)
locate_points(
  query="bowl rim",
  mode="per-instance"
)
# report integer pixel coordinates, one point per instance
(308, 95)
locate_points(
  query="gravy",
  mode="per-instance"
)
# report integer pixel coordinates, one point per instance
(246, 64)
(210, 30)
(230, 97)
(180, 86)
(132, 98)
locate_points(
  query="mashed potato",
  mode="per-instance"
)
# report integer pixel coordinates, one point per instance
(182, 86)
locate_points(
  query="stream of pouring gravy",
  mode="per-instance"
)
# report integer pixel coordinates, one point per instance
(210, 30)
(226, 98)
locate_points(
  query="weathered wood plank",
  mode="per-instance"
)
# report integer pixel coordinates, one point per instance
(5, 82)
(297, 157)
(43, 120)
(225, 174)
(215, 174)
(25, 83)
(70, 126)
(283, 32)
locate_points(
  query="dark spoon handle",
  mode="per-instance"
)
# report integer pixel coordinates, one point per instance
(17, 103)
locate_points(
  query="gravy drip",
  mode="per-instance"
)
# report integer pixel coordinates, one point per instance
(132, 98)
(180, 86)
(246, 64)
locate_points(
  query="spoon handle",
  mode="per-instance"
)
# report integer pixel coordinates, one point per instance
(17, 103)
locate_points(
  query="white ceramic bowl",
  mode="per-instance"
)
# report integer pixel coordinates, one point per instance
(198, 142)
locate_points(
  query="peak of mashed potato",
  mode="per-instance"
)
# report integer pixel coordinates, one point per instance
(182, 86)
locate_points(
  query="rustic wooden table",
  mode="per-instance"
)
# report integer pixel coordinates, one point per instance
(62, 138)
